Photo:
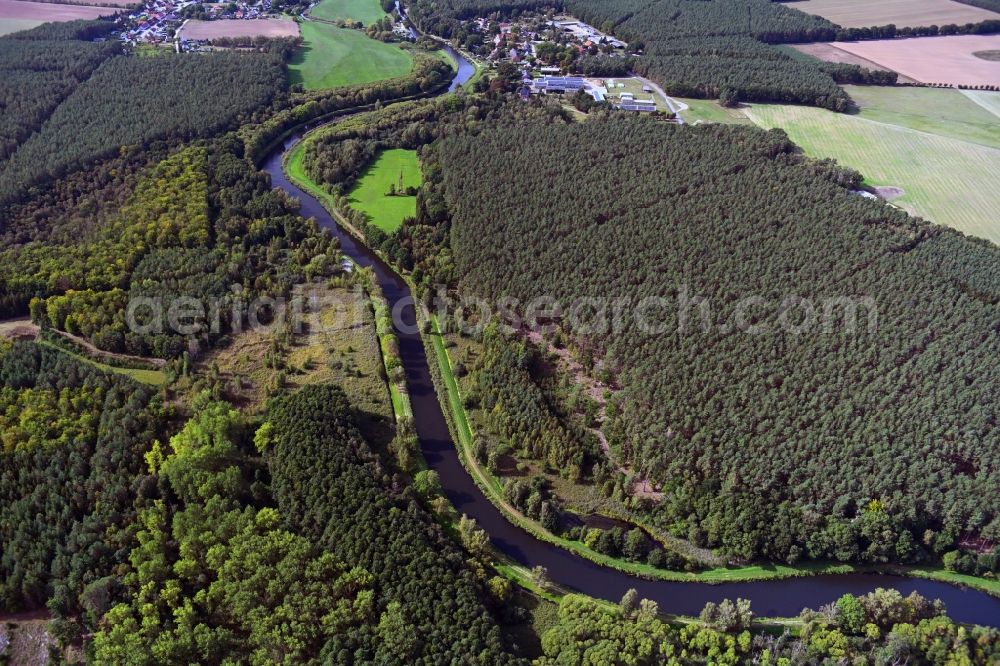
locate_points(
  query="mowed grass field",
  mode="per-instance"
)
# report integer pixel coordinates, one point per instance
(944, 111)
(370, 193)
(902, 13)
(366, 11)
(330, 57)
(945, 180)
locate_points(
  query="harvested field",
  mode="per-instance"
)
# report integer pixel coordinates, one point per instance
(44, 12)
(830, 53)
(988, 100)
(270, 27)
(934, 59)
(96, 3)
(902, 13)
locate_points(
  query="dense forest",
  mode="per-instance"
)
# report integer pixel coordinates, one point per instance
(71, 468)
(200, 222)
(331, 487)
(40, 68)
(869, 443)
(122, 104)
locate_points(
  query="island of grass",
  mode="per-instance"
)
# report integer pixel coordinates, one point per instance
(380, 193)
(365, 11)
(330, 57)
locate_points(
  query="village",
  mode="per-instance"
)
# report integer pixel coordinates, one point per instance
(160, 21)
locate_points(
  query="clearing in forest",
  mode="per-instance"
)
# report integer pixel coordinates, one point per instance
(332, 56)
(945, 180)
(366, 11)
(902, 13)
(392, 170)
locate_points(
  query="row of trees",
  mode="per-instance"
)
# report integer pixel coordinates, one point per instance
(769, 437)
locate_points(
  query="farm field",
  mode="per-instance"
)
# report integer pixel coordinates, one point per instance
(902, 13)
(271, 27)
(945, 180)
(370, 194)
(366, 11)
(934, 59)
(709, 111)
(988, 100)
(43, 12)
(944, 111)
(332, 56)
(9, 25)
(830, 53)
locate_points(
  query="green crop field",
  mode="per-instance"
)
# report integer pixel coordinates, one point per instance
(370, 194)
(945, 180)
(366, 11)
(332, 56)
(943, 111)
(988, 100)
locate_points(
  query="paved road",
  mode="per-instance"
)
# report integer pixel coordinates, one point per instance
(675, 106)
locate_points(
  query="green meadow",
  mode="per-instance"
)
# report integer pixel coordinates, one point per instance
(370, 194)
(366, 11)
(332, 57)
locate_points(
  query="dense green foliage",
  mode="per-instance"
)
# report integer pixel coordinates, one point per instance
(214, 578)
(331, 488)
(70, 469)
(879, 628)
(36, 75)
(194, 225)
(123, 104)
(775, 444)
(429, 74)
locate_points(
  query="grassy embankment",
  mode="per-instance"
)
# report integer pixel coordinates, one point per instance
(141, 375)
(392, 168)
(366, 11)
(766, 571)
(332, 57)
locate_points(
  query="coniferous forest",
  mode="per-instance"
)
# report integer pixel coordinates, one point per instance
(812, 439)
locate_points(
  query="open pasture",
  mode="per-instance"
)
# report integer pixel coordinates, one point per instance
(270, 27)
(943, 111)
(370, 195)
(944, 180)
(948, 60)
(22, 11)
(332, 56)
(902, 13)
(366, 11)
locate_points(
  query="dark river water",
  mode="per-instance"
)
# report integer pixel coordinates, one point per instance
(782, 598)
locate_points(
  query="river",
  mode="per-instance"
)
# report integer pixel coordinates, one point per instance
(778, 598)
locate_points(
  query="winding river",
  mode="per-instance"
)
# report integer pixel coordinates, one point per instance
(778, 598)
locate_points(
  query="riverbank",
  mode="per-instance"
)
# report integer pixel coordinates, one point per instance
(787, 590)
(490, 485)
